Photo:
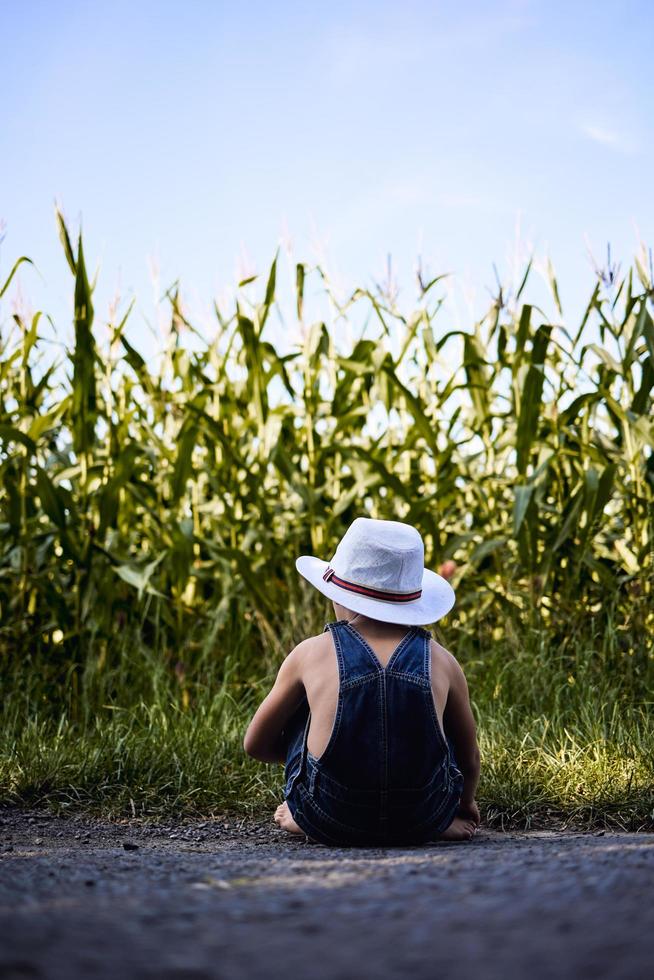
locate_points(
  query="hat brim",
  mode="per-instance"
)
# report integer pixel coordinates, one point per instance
(435, 602)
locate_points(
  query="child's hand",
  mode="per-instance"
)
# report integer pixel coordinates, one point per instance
(469, 811)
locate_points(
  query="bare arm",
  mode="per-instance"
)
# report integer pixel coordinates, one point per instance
(459, 724)
(263, 738)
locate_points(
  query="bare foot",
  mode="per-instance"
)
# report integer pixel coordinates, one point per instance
(460, 829)
(284, 819)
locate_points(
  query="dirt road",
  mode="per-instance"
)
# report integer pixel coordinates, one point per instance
(193, 900)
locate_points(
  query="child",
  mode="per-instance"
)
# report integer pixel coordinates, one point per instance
(372, 716)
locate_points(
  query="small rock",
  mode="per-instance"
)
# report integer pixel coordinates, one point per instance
(89, 883)
(130, 846)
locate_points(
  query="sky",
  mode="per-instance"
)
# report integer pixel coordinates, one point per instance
(191, 140)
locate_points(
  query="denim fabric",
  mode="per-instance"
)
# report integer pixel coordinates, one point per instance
(387, 775)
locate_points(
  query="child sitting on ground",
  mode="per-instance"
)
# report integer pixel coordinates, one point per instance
(372, 717)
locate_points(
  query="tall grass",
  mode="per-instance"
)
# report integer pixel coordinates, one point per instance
(149, 520)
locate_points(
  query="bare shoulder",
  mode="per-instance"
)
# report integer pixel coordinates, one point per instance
(446, 661)
(311, 649)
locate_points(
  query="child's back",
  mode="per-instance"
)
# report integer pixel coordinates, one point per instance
(320, 673)
(367, 761)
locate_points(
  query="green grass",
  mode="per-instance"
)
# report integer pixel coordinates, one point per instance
(566, 735)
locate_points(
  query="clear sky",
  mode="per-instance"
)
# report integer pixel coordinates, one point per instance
(193, 137)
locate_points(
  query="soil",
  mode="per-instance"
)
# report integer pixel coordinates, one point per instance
(235, 898)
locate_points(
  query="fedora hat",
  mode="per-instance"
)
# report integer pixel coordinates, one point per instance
(378, 571)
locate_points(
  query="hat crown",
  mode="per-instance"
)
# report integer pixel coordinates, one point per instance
(387, 555)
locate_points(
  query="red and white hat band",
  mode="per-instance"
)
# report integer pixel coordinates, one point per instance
(384, 595)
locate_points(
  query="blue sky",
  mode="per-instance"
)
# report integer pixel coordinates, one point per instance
(193, 138)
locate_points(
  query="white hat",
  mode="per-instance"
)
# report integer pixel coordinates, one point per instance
(378, 571)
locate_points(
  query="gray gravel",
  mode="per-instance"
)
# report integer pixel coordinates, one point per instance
(239, 899)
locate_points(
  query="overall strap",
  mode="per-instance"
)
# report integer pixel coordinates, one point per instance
(355, 660)
(413, 656)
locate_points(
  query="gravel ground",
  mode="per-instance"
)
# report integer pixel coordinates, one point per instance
(239, 899)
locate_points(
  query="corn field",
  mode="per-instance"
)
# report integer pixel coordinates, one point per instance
(181, 498)
(162, 510)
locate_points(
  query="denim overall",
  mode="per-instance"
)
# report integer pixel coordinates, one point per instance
(388, 775)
